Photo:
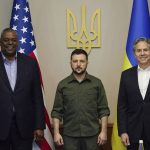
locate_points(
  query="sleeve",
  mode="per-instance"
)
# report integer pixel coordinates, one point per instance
(57, 111)
(38, 98)
(122, 107)
(103, 109)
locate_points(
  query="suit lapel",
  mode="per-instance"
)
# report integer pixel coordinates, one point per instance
(148, 88)
(148, 91)
(3, 74)
(135, 81)
(19, 70)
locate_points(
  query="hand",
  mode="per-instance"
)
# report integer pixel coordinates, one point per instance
(125, 139)
(58, 139)
(102, 138)
(38, 135)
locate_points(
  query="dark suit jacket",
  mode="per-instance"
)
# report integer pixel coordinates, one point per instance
(26, 98)
(133, 111)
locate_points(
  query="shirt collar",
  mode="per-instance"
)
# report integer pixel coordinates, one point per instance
(6, 60)
(140, 69)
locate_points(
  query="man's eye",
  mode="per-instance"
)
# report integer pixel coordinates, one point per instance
(14, 40)
(138, 50)
(145, 50)
(5, 40)
(74, 61)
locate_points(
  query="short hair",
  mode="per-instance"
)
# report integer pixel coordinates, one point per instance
(79, 51)
(7, 30)
(141, 39)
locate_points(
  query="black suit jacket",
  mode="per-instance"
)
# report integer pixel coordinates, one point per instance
(133, 111)
(26, 98)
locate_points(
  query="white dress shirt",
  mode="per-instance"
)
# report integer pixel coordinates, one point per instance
(143, 80)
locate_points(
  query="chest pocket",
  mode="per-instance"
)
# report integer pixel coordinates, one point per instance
(68, 96)
(91, 97)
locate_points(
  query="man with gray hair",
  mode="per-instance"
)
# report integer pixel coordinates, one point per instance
(134, 99)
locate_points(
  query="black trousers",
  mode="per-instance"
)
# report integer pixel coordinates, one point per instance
(14, 140)
(146, 143)
(135, 146)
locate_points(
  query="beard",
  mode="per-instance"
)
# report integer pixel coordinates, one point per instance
(78, 73)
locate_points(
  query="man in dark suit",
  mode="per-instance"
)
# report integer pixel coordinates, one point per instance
(134, 99)
(21, 100)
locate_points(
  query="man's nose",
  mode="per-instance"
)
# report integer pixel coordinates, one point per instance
(78, 63)
(10, 42)
(142, 52)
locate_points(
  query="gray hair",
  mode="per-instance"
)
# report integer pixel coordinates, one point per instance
(141, 39)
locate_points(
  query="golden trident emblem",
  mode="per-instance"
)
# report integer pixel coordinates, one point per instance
(81, 38)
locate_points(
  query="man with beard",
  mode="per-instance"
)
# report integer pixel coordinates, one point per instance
(21, 100)
(81, 103)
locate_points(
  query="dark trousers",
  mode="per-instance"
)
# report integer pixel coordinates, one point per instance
(146, 143)
(135, 146)
(15, 141)
(80, 143)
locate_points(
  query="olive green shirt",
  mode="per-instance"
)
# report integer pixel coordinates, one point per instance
(80, 105)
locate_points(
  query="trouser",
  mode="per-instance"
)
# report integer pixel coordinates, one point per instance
(80, 143)
(135, 146)
(15, 141)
